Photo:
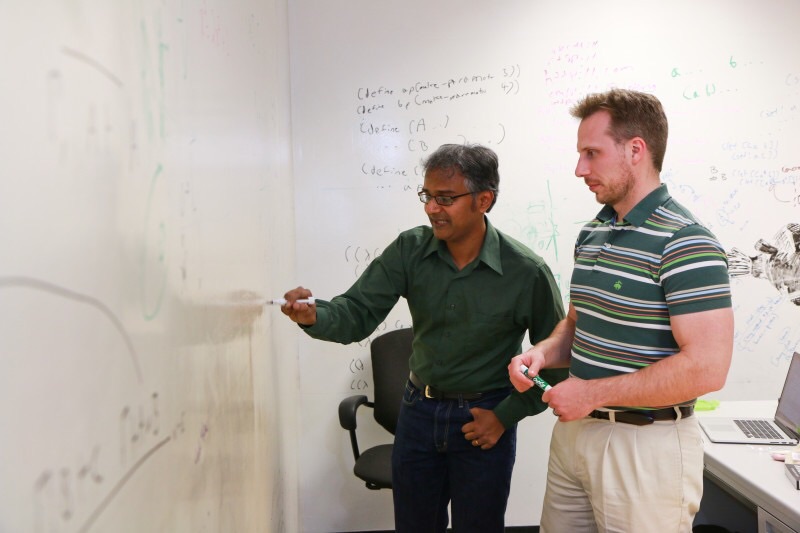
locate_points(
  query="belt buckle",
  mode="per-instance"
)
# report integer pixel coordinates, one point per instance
(428, 392)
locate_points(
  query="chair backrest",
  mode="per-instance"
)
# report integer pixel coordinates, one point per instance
(390, 353)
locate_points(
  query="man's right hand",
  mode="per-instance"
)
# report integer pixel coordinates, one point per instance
(302, 313)
(530, 359)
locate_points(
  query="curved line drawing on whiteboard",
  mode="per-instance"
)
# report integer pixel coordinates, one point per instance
(778, 262)
(119, 485)
(503, 135)
(154, 261)
(56, 290)
(95, 64)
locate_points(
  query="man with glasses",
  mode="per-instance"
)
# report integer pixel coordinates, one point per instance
(473, 292)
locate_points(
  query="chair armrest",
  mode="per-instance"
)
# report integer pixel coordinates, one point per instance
(347, 418)
(348, 408)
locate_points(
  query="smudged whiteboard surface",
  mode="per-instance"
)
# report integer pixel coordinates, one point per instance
(376, 86)
(140, 144)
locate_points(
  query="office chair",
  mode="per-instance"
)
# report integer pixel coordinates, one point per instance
(389, 354)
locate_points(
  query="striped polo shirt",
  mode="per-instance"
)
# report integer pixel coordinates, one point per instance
(630, 276)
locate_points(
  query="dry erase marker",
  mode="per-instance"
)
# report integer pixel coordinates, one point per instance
(282, 301)
(542, 384)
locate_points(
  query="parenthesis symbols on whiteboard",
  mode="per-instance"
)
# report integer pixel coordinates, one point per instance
(502, 133)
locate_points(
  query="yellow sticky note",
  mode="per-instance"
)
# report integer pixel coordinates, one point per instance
(706, 405)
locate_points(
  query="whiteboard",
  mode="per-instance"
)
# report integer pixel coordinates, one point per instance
(376, 86)
(140, 146)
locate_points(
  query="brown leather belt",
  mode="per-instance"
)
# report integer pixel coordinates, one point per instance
(436, 394)
(643, 418)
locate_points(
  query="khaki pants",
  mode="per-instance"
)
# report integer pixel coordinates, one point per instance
(615, 477)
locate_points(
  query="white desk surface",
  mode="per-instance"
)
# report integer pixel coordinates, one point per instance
(749, 469)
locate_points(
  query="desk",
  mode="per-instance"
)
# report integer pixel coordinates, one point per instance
(748, 472)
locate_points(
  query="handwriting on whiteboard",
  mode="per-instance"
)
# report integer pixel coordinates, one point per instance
(405, 121)
(71, 497)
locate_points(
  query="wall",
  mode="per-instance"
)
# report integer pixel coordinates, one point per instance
(378, 85)
(147, 206)
(144, 150)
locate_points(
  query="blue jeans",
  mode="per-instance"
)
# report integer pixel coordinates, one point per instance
(433, 465)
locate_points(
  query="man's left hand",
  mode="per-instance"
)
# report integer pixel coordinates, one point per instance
(484, 430)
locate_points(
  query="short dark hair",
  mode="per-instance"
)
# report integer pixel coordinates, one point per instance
(477, 163)
(633, 114)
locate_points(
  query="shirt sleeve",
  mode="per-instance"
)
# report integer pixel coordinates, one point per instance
(548, 311)
(694, 272)
(354, 315)
(519, 405)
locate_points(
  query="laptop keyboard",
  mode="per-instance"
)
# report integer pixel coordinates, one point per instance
(758, 429)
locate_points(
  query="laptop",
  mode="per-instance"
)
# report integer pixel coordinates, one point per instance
(784, 429)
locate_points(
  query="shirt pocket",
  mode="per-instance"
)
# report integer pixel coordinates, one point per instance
(487, 326)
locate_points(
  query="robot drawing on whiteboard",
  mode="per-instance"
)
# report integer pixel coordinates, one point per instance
(777, 262)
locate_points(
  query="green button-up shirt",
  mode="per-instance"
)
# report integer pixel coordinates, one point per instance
(467, 323)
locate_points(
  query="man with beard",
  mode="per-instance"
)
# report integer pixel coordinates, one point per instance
(649, 329)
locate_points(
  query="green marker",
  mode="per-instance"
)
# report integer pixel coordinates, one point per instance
(542, 384)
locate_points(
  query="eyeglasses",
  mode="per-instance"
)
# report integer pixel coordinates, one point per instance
(424, 197)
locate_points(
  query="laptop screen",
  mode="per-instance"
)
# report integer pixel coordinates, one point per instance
(788, 413)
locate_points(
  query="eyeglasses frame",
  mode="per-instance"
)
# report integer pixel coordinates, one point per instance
(438, 199)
